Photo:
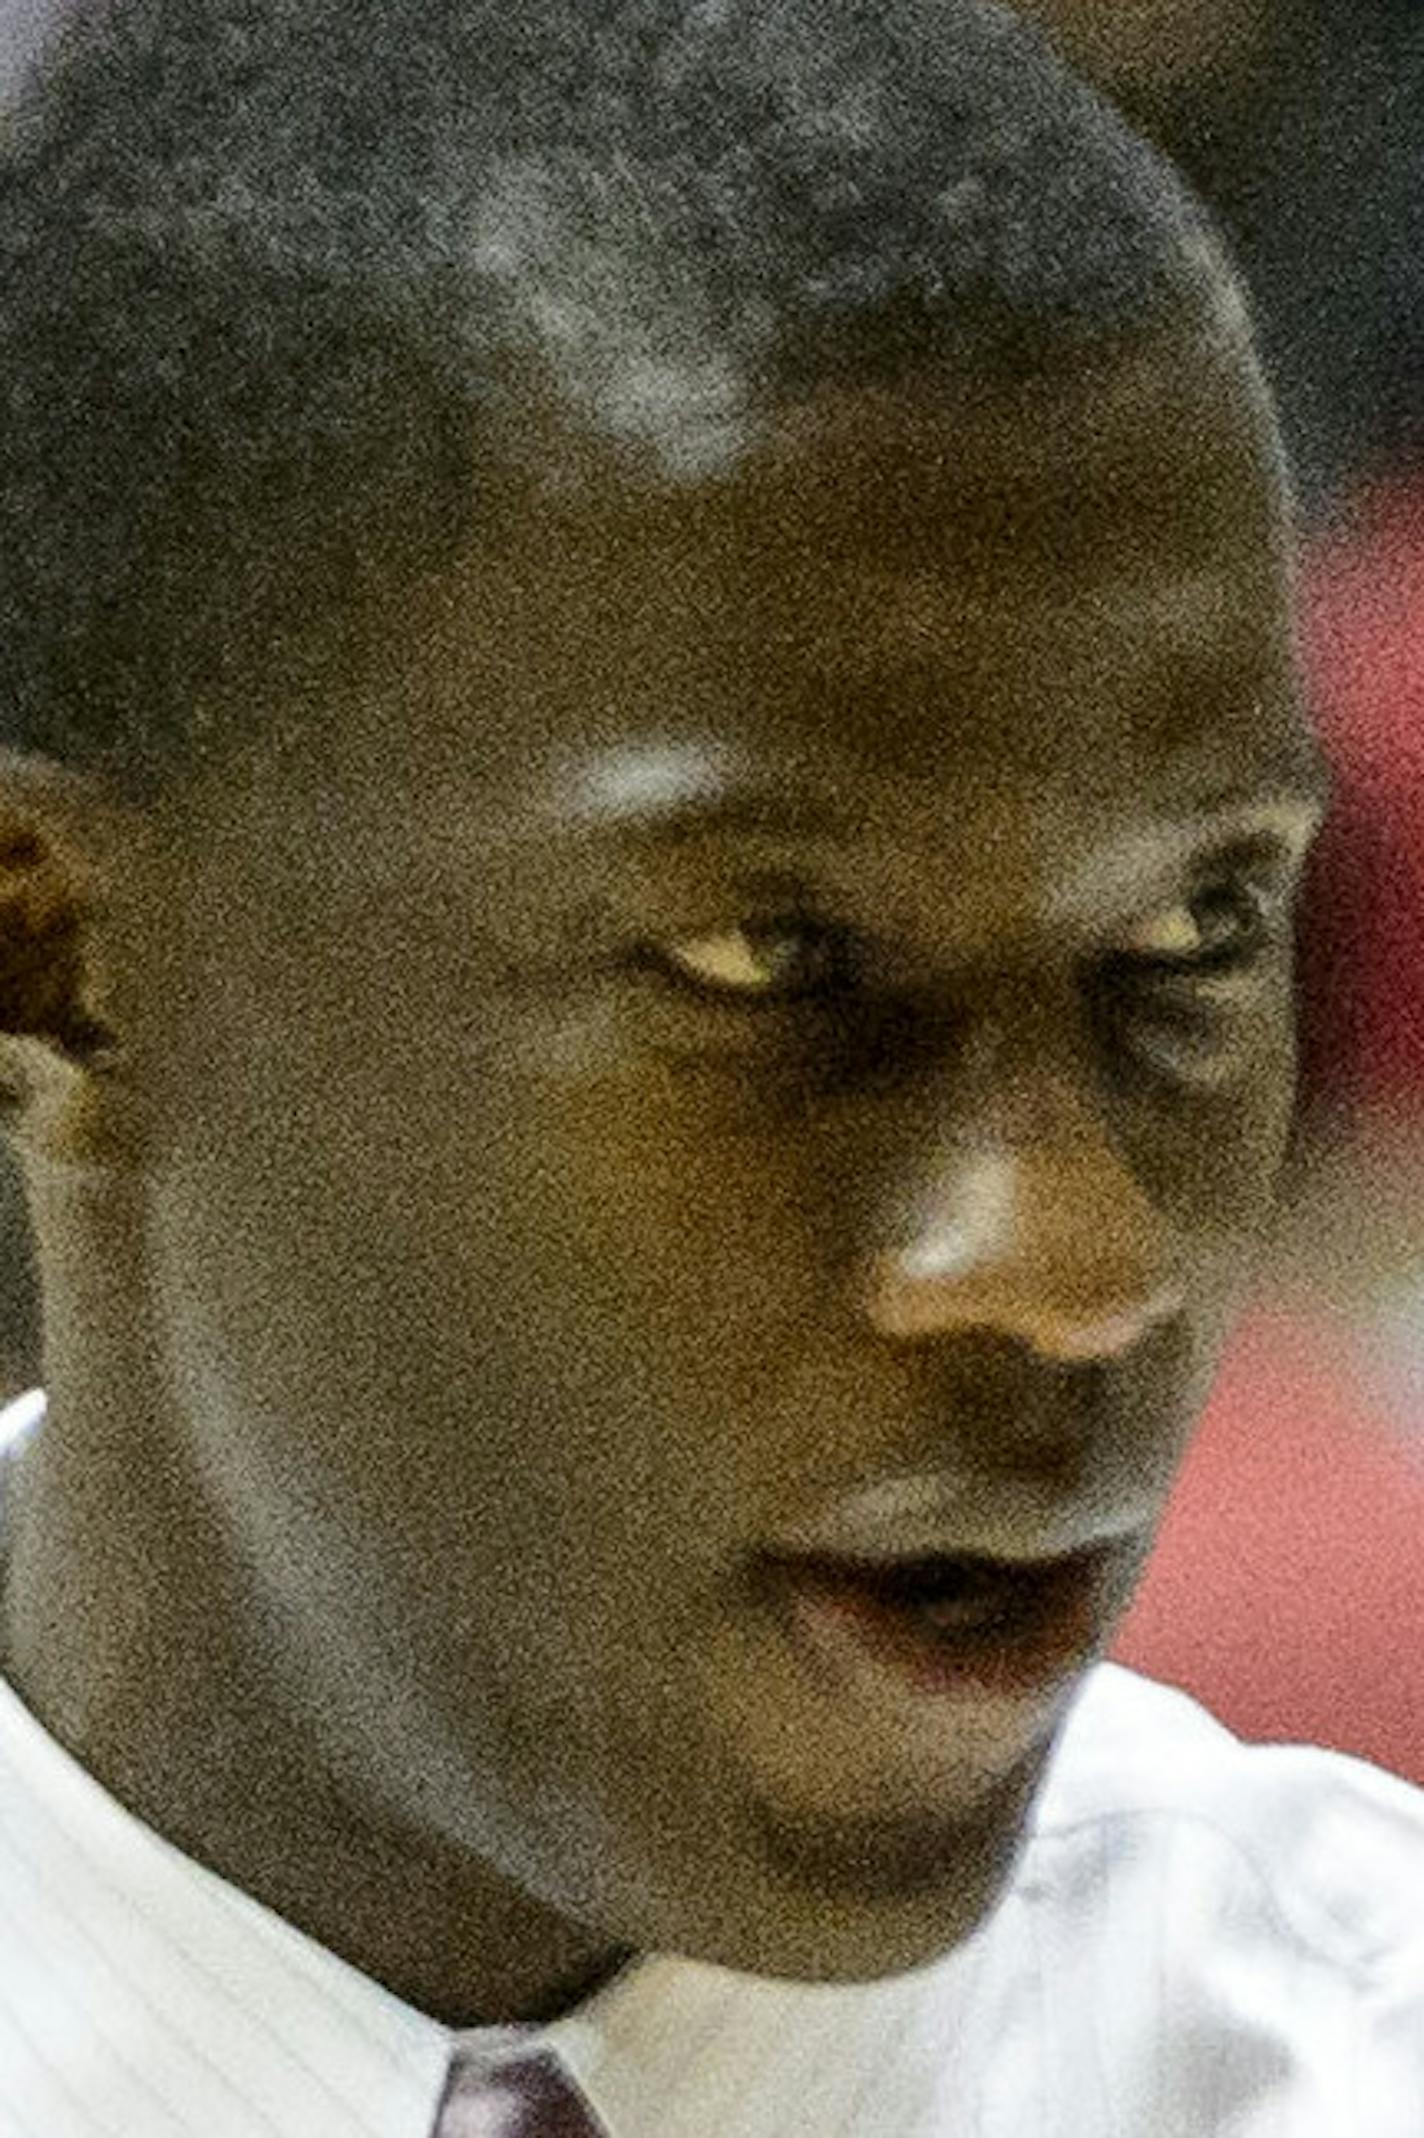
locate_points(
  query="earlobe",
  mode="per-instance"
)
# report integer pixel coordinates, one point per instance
(42, 910)
(54, 1109)
(57, 1059)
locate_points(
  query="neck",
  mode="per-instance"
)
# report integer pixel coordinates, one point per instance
(126, 1632)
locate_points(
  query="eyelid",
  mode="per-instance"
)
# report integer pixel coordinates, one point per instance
(660, 956)
(1267, 878)
(1264, 865)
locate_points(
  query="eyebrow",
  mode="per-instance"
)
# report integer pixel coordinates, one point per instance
(1296, 792)
(1299, 777)
(769, 812)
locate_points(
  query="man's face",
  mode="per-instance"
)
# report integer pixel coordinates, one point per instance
(520, 1291)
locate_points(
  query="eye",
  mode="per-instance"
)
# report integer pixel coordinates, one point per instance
(784, 958)
(1225, 927)
(1185, 997)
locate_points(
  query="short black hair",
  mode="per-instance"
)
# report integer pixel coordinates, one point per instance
(265, 262)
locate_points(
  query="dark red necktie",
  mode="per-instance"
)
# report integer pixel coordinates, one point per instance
(528, 2098)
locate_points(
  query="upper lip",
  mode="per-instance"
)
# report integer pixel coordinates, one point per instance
(911, 1518)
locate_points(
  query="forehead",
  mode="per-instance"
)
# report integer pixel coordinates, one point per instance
(1004, 617)
(873, 559)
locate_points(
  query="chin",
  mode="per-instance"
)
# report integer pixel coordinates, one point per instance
(819, 1908)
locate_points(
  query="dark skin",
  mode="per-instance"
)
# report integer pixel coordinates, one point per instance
(442, 1303)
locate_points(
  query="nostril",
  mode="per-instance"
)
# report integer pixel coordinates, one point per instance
(1089, 1336)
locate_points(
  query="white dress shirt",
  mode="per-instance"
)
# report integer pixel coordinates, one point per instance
(1204, 1939)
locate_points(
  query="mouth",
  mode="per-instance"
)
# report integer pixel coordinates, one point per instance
(945, 1626)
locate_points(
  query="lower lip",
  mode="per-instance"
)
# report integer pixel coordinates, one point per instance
(1046, 1632)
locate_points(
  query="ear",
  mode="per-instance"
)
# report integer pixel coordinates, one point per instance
(61, 838)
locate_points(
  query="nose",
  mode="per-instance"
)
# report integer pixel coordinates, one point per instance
(1027, 1222)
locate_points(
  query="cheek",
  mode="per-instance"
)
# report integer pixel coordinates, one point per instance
(670, 1280)
(666, 1225)
(1213, 1162)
